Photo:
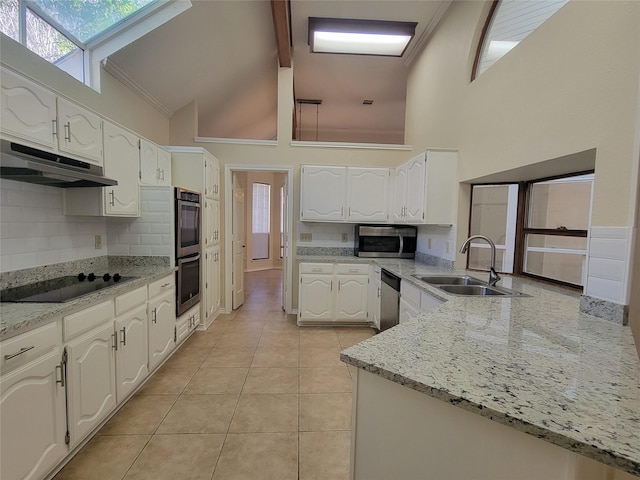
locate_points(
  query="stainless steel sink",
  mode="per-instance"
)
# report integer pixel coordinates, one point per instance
(480, 291)
(450, 280)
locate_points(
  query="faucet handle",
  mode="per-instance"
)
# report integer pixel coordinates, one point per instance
(493, 277)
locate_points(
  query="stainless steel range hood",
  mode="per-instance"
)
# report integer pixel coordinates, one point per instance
(26, 164)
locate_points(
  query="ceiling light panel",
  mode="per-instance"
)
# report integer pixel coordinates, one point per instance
(359, 37)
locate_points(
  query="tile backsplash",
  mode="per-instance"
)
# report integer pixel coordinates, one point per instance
(35, 232)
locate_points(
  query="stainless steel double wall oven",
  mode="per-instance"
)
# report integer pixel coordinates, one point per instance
(187, 228)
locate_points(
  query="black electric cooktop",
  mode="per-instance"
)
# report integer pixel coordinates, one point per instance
(61, 289)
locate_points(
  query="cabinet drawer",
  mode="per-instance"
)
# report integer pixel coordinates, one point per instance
(130, 300)
(352, 269)
(83, 321)
(410, 293)
(20, 350)
(161, 286)
(316, 268)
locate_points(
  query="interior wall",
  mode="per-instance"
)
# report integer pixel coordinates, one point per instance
(115, 101)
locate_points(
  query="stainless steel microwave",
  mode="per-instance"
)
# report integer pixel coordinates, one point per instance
(386, 241)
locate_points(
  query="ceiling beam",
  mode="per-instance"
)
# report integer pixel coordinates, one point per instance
(282, 27)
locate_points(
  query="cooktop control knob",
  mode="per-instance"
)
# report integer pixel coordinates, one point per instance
(91, 277)
(106, 277)
(116, 277)
(81, 277)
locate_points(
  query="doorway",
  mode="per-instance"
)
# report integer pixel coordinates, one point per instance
(258, 243)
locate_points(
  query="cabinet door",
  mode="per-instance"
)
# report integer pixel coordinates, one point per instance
(162, 320)
(209, 222)
(92, 380)
(407, 311)
(323, 193)
(79, 131)
(441, 196)
(414, 209)
(209, 178)
(149, 173)
(399, 193)
(32, 424)
(368, 194)
(210, 283)
(131, 356)
(215, 221)
(28, 111)
(373, 297)
(121, 163)
(351, 298)
(164, 167)
(316, 297)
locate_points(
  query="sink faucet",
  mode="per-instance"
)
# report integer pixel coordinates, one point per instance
(493, 276)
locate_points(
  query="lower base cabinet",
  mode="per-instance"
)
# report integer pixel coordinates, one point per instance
(33, 420)
(333, 293)
(162, 320)
(131, 356)
(187, 323)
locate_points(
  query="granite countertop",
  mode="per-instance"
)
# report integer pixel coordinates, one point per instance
(17, 318)
(535, 364)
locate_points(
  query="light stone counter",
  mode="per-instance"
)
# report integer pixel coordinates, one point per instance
(17, 318)
(534, 364)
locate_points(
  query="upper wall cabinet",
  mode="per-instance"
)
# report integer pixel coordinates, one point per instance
(155, 164)
(425, 189)
(344, 194)
(33, 115)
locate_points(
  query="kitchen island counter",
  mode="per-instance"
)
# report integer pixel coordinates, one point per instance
(534, 364)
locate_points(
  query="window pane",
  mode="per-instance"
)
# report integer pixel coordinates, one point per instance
(556, 257)
(87, 18)
(512, 21)
(9, 19)
(560, 204)
(260, 221)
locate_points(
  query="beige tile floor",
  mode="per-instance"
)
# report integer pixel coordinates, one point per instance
(254, 397)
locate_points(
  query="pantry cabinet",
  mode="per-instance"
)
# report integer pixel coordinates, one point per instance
(155, 164)
(38, 117)
(32, 402)
(121, 164)
(211, 288)
(331, 293)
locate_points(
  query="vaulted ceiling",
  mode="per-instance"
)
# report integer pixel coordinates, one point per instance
(222, 54)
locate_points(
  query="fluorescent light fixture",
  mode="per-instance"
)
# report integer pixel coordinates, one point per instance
(359, 37)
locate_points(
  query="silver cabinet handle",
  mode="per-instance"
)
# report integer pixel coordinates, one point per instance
(154, 315)
(112, 202)
(54, 125)
(123, 340)
(378, 292)
(162, 174)
(67, 128)
(115, 341)
(61, 367)
(165, 285)
(22, 350)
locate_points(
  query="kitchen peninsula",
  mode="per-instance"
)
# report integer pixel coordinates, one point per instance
(470, 389)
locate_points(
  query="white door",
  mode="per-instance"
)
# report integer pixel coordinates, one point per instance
(239, 244)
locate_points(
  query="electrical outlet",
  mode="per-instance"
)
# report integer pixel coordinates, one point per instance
(345, 237)
(305, 236)
(98, 242)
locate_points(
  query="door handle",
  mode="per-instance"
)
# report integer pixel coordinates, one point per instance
(123, 340)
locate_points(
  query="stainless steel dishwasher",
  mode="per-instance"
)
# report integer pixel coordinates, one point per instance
(389, 299)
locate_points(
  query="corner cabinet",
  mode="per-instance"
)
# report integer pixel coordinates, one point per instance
(196, 169)
(333, 293)
(425, 189)
(356, 194)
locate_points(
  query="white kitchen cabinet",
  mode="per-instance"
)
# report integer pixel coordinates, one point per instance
(27, 111)
(79, 131)
(187, 323)
(92, 378)
(38, 117)
(131, 328)
(373, 296)
(323, 193)
(414, 301)
(196, 169)
(32, 404)
(368, 194)
(155, 164)
(121, 164)
(162, 320)
(333, 293)
(425, 189)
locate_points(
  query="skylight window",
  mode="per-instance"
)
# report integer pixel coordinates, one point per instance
(359, 37)
(75, 35)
